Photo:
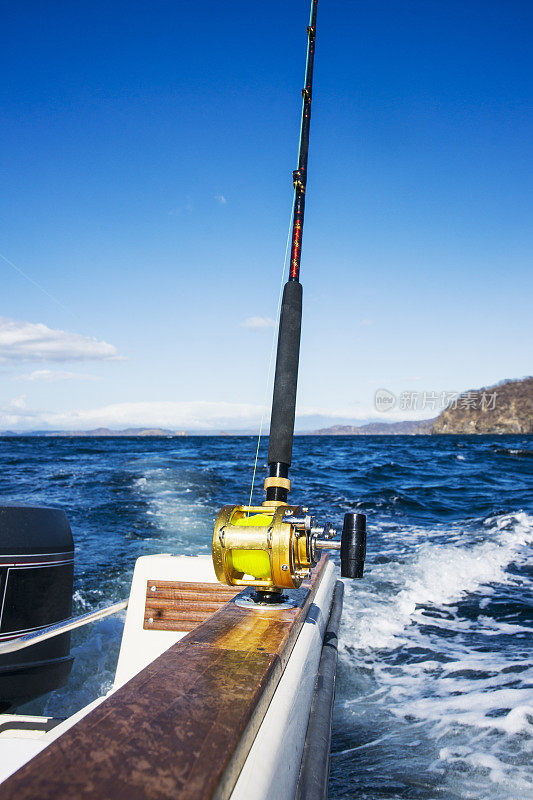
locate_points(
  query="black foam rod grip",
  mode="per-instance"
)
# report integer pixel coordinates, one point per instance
(286, 378)
(353, 546)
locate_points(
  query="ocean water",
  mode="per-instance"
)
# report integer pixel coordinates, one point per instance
(435, 680)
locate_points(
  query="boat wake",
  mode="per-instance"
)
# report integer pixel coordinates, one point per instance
(178, 508)
(434, 662)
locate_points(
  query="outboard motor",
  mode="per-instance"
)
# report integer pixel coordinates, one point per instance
(36, 581)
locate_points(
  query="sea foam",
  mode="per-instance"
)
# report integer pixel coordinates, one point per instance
(423, 659)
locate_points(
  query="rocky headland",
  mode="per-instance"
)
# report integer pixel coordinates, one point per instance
(504, 408)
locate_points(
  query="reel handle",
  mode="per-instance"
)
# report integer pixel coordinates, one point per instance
(353, 546)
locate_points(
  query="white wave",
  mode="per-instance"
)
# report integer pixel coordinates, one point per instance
(436, 574)
(183, 515)
(411, 656)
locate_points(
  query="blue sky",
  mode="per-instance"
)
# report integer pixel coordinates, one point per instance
(146, 159)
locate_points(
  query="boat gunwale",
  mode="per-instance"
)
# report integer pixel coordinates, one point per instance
(183, 726)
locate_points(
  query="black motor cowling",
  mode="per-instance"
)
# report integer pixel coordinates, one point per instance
(36, 578)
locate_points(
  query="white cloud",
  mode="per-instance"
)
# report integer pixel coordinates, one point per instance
(191, 416)
(52, 375)
(222, 199)
(33, 341)
(19, 403)
(160, 414)
(258, 323)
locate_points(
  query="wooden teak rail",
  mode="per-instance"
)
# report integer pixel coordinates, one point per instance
(180, 606)
(183, 726)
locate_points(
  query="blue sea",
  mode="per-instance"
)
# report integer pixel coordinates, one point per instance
(435, 680)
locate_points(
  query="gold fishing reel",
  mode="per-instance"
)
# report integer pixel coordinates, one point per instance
(268, 547)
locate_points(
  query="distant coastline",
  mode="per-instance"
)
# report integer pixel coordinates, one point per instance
(502, 409)
(406, 428)
(100, 432)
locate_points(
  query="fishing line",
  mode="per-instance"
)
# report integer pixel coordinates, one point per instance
(38, 285)
(269, 372)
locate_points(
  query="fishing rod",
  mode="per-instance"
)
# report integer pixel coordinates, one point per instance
(274, 546)
(279, 459)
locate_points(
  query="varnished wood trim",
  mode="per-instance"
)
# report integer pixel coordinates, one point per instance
(182, 588)
(180, 606)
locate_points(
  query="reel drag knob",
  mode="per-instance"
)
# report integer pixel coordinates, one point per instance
(353, 546)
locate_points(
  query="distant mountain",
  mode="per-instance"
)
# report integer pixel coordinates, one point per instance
(106, 432)
(409, 427)
(506, 407)
(124, 432)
